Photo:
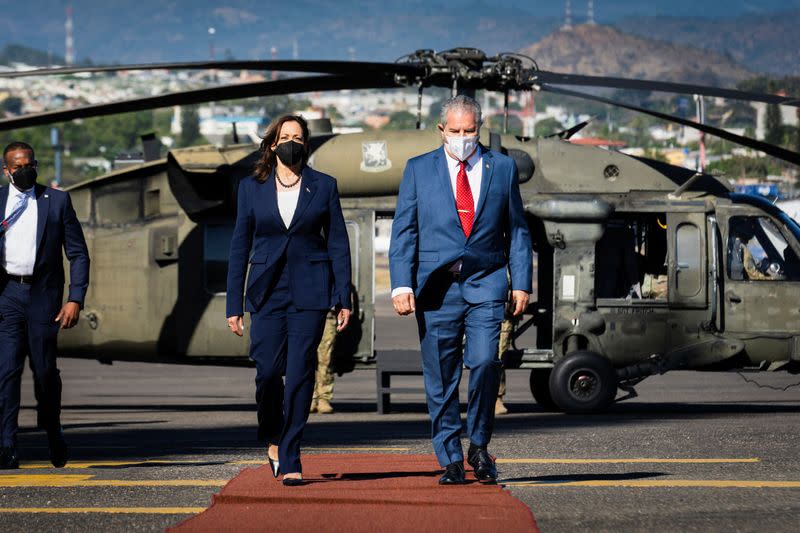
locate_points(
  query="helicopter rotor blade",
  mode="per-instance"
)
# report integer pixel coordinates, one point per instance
(555, 78)
(321, 67)
(198, 96)
(770, 149)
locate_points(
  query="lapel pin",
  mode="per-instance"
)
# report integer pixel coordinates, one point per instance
(308, 190)
(47, 196)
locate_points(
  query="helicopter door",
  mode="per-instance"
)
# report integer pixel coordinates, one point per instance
(688, 268)
(356, 342)
(761, 281)
(687, 289)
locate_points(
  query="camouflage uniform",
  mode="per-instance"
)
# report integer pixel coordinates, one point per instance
(506, 328)
(323, 385)
(751, 265)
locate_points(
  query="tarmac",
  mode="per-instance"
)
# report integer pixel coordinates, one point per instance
(152, 443)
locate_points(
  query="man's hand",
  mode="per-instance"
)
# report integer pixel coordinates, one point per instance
(404, 304)
(520, 299)
(342, 319)
(69, 315)
(236, 324)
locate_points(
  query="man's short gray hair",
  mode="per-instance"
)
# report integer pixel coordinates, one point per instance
(461, 102)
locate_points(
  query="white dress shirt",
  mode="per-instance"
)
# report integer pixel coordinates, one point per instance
(474, 176)
(20, 239)
(287, 204)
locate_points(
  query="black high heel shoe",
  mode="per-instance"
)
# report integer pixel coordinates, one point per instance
(275, 466)
(293, 482)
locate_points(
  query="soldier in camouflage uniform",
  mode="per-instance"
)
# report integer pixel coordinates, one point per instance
(505, 343)
(323, 385)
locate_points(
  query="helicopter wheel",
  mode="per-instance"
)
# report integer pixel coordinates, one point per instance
(583, 382)
(540, 388)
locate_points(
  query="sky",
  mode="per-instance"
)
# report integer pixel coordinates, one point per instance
(161, 30)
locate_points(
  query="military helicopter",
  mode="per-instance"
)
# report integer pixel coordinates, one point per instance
(642, 267)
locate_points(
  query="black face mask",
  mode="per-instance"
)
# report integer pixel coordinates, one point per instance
(24, 178)
(290, 153)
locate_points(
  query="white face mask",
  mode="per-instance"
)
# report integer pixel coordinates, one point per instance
(462, 147)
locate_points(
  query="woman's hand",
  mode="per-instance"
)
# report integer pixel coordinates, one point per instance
(342, 319)
(236, 324)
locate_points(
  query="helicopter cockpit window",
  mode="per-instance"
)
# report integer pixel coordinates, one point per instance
(630, 258)
(757, 251)
(216, 246)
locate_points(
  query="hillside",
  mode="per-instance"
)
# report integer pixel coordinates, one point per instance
(606, 51)
(173, 30)
(23, 54)
(765, 43)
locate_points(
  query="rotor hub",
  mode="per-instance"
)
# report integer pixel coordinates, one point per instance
(470, 69)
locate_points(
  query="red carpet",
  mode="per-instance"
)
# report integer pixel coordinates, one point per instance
(361, 493)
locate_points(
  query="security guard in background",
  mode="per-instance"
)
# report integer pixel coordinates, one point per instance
(323, 385)
(506, 329)
(39, 227)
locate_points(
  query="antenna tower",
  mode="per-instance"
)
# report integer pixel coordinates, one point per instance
(590, 12)
(567, 15)
(69, 55)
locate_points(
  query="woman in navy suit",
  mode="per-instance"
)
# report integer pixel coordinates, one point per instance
(289, 225)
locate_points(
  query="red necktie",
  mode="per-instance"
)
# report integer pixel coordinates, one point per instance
(464, 203)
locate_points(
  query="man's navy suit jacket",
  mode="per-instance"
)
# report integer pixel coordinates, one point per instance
(57, 228)
(315, 246)
(427, 234)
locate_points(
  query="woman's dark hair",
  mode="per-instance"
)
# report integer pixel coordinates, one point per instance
(266, 163)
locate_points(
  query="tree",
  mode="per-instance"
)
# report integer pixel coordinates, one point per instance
(107, 136)
(548, 126)
(495, 123)
(401, 120)
(797, 133)
(13, 105)
(739, 166)
(334, 114)
(190, 126)
(774, 123)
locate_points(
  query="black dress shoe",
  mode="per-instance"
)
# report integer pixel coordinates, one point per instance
(293, 482)
(453, 474)
(483, 465)
(59, 451)
(8, 459)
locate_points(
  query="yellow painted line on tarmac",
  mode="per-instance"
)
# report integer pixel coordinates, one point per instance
(109, 510)
(80, 480)
(101, 464)
(35, 480)
(80, 465)
(544, 461)
(663, 483)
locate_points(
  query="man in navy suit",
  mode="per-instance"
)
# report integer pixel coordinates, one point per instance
(459, 234)
(37, 223)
